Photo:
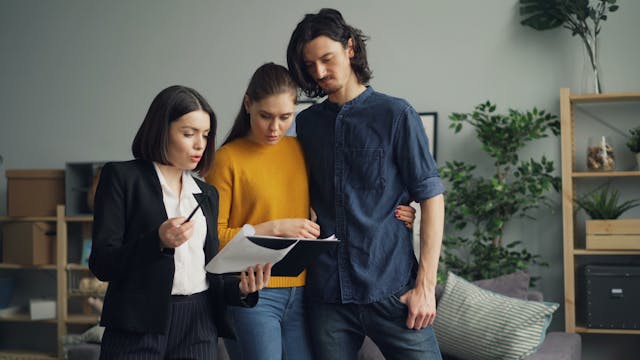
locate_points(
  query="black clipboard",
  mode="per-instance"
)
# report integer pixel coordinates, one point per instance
(299, 257)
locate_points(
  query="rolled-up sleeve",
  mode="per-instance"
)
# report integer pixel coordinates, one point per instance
(415, 162)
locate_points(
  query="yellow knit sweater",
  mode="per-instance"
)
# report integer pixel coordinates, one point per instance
(259, 183)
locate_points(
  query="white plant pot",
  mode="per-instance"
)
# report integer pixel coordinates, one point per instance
(638, 160)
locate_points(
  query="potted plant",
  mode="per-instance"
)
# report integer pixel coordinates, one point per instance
(581, 17)
(634, 143)
(604, 204)
(479, 207)
(604, 231)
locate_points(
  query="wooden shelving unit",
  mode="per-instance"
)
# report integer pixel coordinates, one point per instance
(63, 268)
(569, 177)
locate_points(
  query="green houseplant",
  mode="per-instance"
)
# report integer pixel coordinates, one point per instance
(604, 231)
(604, 204)
(479, 207)
(634, 143)
(582, 17)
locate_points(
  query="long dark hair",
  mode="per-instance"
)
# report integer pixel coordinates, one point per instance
(330, 23)
(269, 79)
(152, 139)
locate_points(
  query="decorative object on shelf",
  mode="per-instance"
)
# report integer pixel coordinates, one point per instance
(634, 143)
(478, 207)
(92, 285)
(86, 251)
(603, 231)
(600, 155)
(581, 17)
(603, 203)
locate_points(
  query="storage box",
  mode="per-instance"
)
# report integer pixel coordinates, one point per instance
(612, 296)
(81, 180)
(29, 243)
(41, 309)
(34, 192)
(613, 234)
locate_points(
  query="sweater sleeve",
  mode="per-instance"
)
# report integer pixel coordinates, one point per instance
(221, 176)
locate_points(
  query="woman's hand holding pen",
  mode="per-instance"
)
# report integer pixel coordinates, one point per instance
(254, 279)
(175, 232)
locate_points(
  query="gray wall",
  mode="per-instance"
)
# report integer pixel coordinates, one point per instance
(78, 75)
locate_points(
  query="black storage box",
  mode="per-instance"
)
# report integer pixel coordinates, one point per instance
(612, 296)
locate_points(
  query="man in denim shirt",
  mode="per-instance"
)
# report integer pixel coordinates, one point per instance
(367, 153)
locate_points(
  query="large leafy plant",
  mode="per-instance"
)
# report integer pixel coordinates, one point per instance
(582, 17)
(479, 207)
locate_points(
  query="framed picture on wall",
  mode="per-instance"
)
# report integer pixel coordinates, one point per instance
(430, 123)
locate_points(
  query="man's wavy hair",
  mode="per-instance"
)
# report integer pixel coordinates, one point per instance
(330, 23)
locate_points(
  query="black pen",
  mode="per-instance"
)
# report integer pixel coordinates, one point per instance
(191, 215)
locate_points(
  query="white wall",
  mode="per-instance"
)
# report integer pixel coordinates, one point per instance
(77, 76)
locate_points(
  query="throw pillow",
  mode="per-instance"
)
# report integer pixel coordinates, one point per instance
(473, 323)
(93, 334)
(515, 285)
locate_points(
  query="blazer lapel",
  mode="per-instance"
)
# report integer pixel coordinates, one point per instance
(210, 246)
(150, 178)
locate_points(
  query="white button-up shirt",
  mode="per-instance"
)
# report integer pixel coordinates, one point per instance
(189, 277)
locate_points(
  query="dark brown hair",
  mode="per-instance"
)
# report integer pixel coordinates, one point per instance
(330, 23)
(152, 139)
(269, 79)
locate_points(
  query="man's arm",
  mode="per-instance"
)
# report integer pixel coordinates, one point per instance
(421, 300)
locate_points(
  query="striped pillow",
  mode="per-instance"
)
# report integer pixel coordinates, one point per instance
(473, 323)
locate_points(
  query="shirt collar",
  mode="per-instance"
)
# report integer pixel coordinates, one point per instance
(188, 183)
(355, 101)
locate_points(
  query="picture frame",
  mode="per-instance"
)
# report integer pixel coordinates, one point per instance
(430, 123)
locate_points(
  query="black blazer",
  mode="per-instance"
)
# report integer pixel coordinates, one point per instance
(126, 252)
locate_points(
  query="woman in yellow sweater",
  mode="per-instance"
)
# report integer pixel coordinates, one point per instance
(261, 177)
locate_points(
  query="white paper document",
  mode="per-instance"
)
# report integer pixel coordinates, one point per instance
(246, 249)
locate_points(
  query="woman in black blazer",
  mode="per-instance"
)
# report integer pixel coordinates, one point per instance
(161, 303)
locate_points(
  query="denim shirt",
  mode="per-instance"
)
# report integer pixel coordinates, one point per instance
(365, 158)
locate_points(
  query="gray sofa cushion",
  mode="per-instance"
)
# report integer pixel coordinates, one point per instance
(559, 346)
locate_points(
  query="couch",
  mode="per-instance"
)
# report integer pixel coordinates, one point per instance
(556, 345)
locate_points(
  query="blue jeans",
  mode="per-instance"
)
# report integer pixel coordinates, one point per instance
(338, 330)
(275, 329)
